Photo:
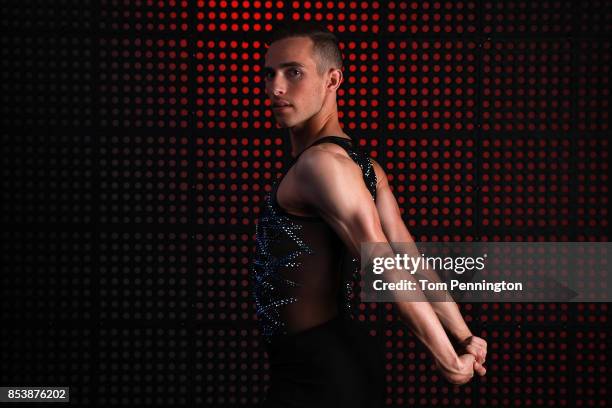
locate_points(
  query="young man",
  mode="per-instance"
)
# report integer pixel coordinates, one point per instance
(331, 198)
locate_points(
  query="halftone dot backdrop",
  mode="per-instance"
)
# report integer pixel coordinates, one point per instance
(138, 145)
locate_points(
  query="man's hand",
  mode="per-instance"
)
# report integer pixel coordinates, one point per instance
(477, 347)
(461, 371)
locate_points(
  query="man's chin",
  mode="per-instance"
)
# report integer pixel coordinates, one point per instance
(283, 124)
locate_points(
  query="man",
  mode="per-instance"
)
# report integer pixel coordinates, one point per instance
(331, 198)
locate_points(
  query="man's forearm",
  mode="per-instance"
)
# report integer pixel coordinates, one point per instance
(451, 319)
(421, 318)
(444, 307)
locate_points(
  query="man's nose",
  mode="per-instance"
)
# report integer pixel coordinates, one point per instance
(277, 86)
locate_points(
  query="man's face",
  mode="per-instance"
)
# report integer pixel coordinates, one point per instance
(291, 76)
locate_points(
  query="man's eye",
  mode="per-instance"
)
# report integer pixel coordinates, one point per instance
(292, 72)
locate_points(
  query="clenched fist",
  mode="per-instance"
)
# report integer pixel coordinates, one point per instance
(472, 353)
(477, 347)
(461, 371)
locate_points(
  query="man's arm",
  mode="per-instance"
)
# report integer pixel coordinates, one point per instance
(332, 184)
(396, 231)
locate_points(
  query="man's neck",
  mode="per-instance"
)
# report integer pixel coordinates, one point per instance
(303, 137)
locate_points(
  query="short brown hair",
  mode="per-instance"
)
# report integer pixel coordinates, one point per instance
(325, 43)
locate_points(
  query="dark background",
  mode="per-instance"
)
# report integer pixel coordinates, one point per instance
(137, 146)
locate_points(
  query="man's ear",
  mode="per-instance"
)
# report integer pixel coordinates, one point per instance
(335, 79)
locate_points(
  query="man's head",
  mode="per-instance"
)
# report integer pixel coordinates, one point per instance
(303, 68)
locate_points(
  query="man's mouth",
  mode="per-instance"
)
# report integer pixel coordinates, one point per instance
(280, 106)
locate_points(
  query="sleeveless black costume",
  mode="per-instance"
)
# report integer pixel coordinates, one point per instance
(301, 278)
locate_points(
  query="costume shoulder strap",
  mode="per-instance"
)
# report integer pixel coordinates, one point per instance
(361, 158)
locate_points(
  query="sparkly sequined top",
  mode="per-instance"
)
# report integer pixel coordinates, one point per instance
(302, 273)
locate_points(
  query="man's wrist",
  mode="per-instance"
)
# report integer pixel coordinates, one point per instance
(462, 335)
(449, 363)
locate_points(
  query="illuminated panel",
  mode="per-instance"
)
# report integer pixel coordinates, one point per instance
(47, 80)
(143, 82)
(526, 367)
(230, 85)
(593, 85)
(222, 280)
(231, 367)
(143, 277)
(527, 236)
(593, 313)
(55, 284)
(233, 175)
(523, 313)
(593, 17)
(592, 368)
(143, 179)
(351, 17)
(43, 15)
(526, 86)
(471, 313)
(359, 94)
(143, 366)
(533, 17)
(170, 76)
(433, 182)
(431, 85)
(221, 17)
(593, 183)
(153, 16)
(427, 17)
(366, 312)
(525, 182)
(48, 178)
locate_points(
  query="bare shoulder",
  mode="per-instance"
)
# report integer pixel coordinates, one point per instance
(326, 176)
(323, 159)
(328, 159)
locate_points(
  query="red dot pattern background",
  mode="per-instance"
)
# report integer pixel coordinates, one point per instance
(138, 146)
